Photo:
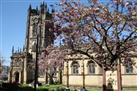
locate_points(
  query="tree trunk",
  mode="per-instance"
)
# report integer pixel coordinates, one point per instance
(46, 78)
(51, 79)
(67, 75)
(83, 73)
(119, 77)
(60, 77)
(104, 79)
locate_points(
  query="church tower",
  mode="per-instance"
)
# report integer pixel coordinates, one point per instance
(41, 29)
(39, 24)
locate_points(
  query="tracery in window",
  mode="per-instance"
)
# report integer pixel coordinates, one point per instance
(75, 68)
(128, 63)
(91, 67)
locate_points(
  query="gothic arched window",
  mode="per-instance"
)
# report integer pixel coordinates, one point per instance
(128, 66)
(75, 67)
(91, 67)
(128, 63)
(129, 69)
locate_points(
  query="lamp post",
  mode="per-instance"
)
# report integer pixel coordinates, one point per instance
(36, 22)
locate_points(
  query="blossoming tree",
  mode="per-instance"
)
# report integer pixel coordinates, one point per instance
(51, 62)
(106, 28)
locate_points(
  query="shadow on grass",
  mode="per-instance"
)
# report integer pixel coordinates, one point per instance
(14, 87)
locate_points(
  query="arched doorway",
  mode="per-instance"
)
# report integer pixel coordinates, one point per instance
(16, 74)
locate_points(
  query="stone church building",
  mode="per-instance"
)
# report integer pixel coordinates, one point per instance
(78, 69)
(38, 37)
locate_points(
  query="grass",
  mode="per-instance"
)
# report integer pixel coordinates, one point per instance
(94, 89)
(129, 89)
(50, 87)
(62, 88)
(124, 89)
(54, 88)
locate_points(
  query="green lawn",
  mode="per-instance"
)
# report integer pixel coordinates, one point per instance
(54, 87)
(62, 88)
(50, 87)
(129, 89)
(94, 89)
(124, 89)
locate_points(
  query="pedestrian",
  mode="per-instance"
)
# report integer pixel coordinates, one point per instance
(82, 89)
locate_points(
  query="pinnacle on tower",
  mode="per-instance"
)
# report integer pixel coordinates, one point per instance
(23, 48)
(37, 9)
(18, 50)
(29, 7)
(43, 7)
(12, 49)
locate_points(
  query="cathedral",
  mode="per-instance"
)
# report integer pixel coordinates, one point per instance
(38, 37)
(78, 69)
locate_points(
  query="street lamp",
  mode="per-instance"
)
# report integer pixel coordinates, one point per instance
(36, 25)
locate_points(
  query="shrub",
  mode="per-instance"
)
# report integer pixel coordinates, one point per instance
(43, 89)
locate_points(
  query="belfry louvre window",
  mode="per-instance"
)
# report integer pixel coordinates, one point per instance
(91, 67)
(75, 68)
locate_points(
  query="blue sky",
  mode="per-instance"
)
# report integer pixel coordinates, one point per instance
(13, 17)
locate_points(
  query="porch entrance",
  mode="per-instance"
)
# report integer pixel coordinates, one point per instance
(16, 77)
